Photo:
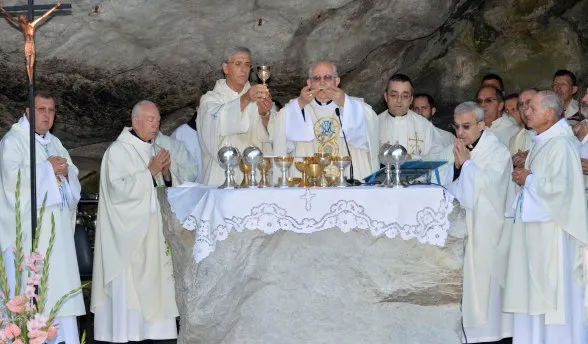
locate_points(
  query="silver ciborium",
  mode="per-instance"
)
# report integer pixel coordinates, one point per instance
(228, 158)
(392, 155)
(252, 156)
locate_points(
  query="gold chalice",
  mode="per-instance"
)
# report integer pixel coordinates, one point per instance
(264, 167)
(284, 162)
(341, 162)
(263, 73)
(324, 159)
(314, 172)
(302, 166)
(246, 169)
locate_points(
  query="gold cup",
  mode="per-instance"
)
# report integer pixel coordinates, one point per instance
(324, 159)
(246, 169)
(264, 167)
(314, 172)
(264, 72)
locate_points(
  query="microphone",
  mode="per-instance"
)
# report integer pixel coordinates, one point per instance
(350, 180)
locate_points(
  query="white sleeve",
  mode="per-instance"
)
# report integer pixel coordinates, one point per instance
(532, 210)
(354, 124)
(47, 185)
(463, 187)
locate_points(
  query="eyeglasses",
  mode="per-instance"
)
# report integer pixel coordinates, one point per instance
(486, 100)
(464, 126)
(404, 96)
(325, 78)
(240, 64)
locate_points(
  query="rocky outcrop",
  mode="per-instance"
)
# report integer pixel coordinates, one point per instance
(99, 63)
(325, 287)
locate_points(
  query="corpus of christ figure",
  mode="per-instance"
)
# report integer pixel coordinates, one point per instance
(28, 28)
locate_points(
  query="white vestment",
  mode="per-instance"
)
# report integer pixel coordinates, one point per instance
(546, 263)
(189, 137)
(221, 122)
(483, 190)
(521, 141)
(63, 195)
(572, 109)
(413, 131)
(504, 128)
(182, 163)
(447, 138)
(584, 155)
(319, 130)
(133, 294)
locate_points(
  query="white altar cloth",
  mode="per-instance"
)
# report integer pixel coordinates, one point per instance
(416, 212)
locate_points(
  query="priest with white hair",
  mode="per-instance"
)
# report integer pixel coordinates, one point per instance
(234, 113)
(324, 119)
(133, 296)
(480, 166)
(547, 262)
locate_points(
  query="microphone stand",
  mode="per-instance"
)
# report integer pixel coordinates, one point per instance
(350, 180)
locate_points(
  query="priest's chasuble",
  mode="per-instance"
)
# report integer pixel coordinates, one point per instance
(572, 108)
(318, 129)
(483, 190)
(504, 128)
(221, 122)
(183, 164)
(447, 138)
(129, 234)
(521, 141)
(413, 131)
(189, 137)
(62, 194)
(552, 201)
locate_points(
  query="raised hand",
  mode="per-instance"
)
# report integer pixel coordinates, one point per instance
(305, 96)
(336, 94)
(460, 153)
(257, 93)
(158, 162)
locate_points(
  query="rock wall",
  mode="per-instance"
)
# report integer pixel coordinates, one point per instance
(102, 60)
(325, 287)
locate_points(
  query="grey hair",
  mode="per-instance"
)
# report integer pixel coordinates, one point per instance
(138, 108)
(472, 107)
(229, 52)
(335, 74)
(551, 100)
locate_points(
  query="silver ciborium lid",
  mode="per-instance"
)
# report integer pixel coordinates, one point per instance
(228, 158)
(253, 157)
(392, 155)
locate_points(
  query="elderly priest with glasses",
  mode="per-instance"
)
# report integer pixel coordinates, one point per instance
(478, 174)
(324, 119)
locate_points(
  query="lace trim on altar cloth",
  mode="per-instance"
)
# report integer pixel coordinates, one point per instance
(431, 225)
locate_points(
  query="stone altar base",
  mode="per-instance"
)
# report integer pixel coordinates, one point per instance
(325, 287)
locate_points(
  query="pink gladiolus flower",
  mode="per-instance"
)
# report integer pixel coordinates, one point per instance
(37, 337)
(18, 341)
(30, 291)
(17, 305)
(34, 279)
(11, 331)
(51, 332)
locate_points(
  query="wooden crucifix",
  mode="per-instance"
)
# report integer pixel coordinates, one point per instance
(27, 24)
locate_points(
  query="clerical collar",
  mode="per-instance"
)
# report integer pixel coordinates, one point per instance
(473, 145)
(137, 136)
(321, 104)
(391, 114)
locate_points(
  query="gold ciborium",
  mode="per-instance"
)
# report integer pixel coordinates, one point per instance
(314, 172)
(264, 167)
(246, 169)
(263, 73)
(324, 159)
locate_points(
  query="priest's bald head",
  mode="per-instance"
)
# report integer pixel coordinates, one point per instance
(468, 119)
(545, 110)
(145, 120)
(321, 76)
(44, 112)
(237, 67)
